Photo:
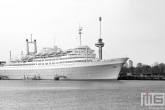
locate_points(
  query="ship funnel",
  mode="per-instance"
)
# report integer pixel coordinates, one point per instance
(35, 46)
(27, 47)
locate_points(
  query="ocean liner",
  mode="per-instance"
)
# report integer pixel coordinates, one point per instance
(78, 63)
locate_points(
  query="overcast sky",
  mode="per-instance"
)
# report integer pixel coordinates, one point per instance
(132, 28)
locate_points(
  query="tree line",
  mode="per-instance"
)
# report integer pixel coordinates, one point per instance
(145, 69)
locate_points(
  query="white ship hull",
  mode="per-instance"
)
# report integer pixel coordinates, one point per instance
(107, 69)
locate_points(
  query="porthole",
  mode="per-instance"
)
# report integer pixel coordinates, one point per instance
(114, 67)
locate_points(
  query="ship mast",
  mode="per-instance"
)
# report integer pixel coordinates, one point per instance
(80, 29)
(31, 37)
(54, 42)
(10, 55)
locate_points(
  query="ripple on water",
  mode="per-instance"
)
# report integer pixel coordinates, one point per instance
(73, 95)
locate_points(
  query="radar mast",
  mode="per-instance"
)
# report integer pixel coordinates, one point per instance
(80, 29)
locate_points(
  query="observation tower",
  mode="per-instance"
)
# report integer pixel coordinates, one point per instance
(100, 44)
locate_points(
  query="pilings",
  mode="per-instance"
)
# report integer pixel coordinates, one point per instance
(125, 77)
(35, 77)
(4, 78)
(56, 77)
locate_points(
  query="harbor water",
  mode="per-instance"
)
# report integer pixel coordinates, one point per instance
(76, 95)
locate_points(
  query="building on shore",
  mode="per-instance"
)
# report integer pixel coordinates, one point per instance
(139, 64)
(130, 63)
(156, 63)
